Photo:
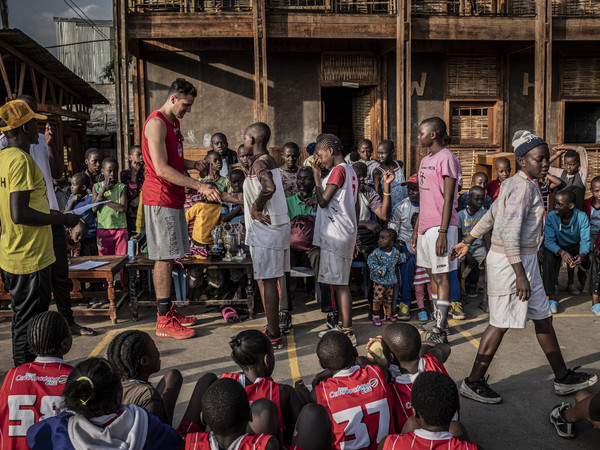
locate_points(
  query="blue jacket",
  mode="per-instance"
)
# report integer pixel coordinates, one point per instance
(383, 267)
(560, 236)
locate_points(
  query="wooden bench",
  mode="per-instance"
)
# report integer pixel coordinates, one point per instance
(141, 262)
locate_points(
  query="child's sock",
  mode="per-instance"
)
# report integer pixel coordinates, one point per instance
(442, 313)
(164, 306)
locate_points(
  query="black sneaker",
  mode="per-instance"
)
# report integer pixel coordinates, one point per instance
(285, 322)
(574, 381)
(437, 336)
(479, 391)
(563, 428)
(277, 342)
(332, 320)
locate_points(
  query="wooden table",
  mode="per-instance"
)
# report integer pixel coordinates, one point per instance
(105, 272)
(141, 262)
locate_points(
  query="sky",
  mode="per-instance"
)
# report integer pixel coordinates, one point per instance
(35, 17)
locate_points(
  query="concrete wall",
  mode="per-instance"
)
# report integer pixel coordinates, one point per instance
(225, 99)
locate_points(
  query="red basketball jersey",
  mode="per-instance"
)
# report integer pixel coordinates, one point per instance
(402, 386)
(359, 403)
(30, 393)
(426, 440)
(207, 441)
(261, 388)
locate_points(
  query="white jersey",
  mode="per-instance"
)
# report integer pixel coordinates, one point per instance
(277, 234)
(335, 225)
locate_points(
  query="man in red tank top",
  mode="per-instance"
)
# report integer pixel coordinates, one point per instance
(163, 198)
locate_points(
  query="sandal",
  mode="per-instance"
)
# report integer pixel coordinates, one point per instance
(230, 315)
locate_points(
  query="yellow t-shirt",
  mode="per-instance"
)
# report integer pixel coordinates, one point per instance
(24, 249)
(206, 217)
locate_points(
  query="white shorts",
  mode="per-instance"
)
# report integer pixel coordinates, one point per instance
(506, 310)
(426, 256)
(334, 269)
(268, 263)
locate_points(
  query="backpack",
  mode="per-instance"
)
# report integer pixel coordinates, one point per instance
(302, 229)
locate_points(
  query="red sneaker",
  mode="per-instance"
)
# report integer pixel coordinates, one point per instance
(183, 320)
(168, 326)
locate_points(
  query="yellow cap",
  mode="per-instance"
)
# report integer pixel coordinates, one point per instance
(17, 113)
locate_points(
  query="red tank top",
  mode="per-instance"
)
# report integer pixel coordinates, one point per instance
(359, 404)
(426, 440)
(157, 191)
(207, 441)
(402, 386)
(30, 393)
(261, 388)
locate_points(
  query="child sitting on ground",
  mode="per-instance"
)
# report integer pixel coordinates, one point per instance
(365, 152)
(94, 416)
(43, 380)
(289, 169)
(592, 209)
(479, 179)
(434, 402)
(566, 240)
(502, 168)
(385, 157)
(226, 411)
(253, 352)
(575, 173)
(382, 264)
(214, 172)
(133, 177)
(111, 234)
(74, 237)
(467, 219)
(409, 357)
(353, 395)
(136, 357)
(80, 184)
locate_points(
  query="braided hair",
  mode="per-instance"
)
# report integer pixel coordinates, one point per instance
(126, 351)
(248, 347)
(46, 332)
(327, 140)
(92, 387)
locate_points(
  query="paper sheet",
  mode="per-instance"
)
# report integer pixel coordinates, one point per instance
(88, 265)
(79, 211)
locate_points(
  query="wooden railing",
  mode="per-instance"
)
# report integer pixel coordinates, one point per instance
(576, 8)
(335, 6)
(473, 7)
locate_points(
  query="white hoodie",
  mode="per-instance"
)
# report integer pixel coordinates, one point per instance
(127, 432)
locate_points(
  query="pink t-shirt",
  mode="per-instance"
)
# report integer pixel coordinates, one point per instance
(433, 170)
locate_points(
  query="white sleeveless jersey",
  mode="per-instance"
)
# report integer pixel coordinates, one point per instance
(335, 225)
(276, 235)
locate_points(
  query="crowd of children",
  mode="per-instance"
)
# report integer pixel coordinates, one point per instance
(411, 234)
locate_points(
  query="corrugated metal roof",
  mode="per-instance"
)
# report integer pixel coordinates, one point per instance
(86, 59)
(20, 45)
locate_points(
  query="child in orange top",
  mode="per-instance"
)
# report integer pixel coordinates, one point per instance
(205, 216)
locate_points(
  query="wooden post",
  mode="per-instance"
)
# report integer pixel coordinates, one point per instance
(121, 70)
(403, 78)
(408, 159)
(259, 28)
(540, 108)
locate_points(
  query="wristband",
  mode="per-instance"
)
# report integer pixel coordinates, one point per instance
(442, 231)
(385, 193)
(466, 243)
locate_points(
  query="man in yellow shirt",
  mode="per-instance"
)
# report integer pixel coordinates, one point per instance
(26, 250)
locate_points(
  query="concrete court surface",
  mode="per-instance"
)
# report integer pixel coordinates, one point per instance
(519, 372)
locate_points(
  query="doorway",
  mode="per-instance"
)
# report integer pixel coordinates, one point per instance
(346, 112)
